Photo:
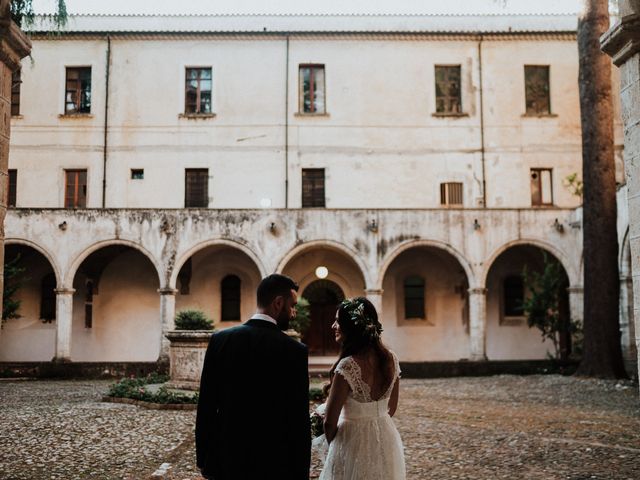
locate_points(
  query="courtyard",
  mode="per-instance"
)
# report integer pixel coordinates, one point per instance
(533, 427)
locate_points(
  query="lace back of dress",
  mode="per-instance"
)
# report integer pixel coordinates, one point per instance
(349, 368)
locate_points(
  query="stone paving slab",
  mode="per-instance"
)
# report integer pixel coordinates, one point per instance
(536, 427)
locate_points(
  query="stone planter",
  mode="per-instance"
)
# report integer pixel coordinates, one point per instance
(186, 356)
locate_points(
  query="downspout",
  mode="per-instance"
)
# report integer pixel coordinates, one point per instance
(482, 148)
(106, 124)
(286, 130)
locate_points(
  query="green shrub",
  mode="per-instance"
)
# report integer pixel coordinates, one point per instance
(136, 389)
(302, 319)
(193, 320)
(316, 394)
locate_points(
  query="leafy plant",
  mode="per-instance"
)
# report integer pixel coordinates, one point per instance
(136, 389)
(13, 281)
(302, 320)
(23, 14)
(542, 304)
(193, 320)
(573, 184)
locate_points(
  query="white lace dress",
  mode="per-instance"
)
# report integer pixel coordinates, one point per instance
(367, 445)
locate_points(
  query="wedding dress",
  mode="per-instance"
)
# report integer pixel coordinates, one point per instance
(367, 445)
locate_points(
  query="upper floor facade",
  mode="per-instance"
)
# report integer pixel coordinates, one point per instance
(406, 112)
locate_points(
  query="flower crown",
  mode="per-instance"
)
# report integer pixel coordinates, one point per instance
(371, 327)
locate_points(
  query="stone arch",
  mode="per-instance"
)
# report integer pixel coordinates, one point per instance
(42, 251)
(220, 242)
(330, 245)
(572, 273)
(75, 264)
(403, 247)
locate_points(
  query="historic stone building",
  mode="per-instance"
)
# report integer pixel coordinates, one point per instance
(165, 163)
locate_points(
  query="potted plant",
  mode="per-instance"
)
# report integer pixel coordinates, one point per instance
(188, 345)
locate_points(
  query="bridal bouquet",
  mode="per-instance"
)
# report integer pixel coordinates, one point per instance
(317, 421)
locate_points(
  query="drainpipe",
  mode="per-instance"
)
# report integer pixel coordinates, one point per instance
(106, 124)
(286, 130)
(482, 149)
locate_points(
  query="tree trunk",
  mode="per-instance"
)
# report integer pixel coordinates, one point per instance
(602, 355)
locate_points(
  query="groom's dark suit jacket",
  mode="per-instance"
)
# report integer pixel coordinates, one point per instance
(253, 412)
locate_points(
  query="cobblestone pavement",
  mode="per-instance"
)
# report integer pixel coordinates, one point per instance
(536, 427)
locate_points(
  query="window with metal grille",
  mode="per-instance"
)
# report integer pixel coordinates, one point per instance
(513, 296)
(448, 91)
(137, 174)
(536, 89)
(541, 187)
(12, 190)
(75, 194)
(48, 298)
(16, 81)
(88, 305)
(311, 89)
(197, 92)
(451, 193)
(230, 288)
(196, 188)
(77, 98)
(313, 187)
(414, 297)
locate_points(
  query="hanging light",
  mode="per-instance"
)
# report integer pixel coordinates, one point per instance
(322, 272)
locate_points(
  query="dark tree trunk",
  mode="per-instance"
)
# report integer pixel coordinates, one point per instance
(602, 355)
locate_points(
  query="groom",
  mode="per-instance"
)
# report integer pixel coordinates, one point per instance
(253, 411)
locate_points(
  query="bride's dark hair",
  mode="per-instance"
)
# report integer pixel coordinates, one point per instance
(361, 330)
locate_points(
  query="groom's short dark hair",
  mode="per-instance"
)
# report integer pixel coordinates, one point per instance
(274, 285)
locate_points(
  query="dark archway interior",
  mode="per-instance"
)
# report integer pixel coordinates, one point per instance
(324, 296)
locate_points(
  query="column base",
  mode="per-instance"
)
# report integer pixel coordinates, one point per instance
(61, 360)
(478, 358)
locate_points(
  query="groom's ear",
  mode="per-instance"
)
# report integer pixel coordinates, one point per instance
(278, 303)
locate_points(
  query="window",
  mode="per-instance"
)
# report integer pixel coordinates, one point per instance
(311, 85)
(78, 90)
(230, 295)
(48, 298)
(414, 297)
(196, 188)
(16, 81)
(451, 193)
(536, 90)
(137, 174)
(75, 194)
(513, 296)
(541, 187)
(448, 92)
(198, 91)
(12, 190)
(313, 187)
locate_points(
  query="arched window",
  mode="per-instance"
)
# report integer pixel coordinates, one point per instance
(230, 298)
(48, 298)
(513, 296)
(414, 297)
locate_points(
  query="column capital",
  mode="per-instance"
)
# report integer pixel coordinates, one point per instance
(575, 289)
(477, 291)
(167, 291)
(65, 291)
(621, 41)
(373, 291)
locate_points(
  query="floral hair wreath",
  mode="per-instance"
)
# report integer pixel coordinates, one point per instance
(372, 328)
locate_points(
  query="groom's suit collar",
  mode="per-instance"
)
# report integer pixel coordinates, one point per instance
(260, 323)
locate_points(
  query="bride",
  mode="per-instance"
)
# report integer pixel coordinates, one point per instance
(364, 443)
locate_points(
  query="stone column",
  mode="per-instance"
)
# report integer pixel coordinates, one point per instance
(622, 43)
(478, 323)
(576, 302)
(14, 46)
(167, 319)
(375, 297)
(64, 323)
(627, 330)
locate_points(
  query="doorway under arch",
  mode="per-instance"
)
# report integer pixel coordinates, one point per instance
(324, 296)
